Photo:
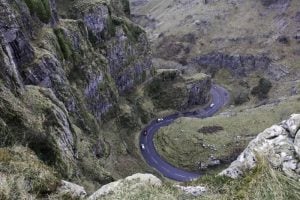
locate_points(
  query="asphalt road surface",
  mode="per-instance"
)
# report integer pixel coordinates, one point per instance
(220, 98)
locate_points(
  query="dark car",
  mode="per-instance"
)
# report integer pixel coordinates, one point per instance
(145, 133)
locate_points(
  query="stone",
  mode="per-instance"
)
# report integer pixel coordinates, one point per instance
(134, 181)
(72, 189)
(276, 144)
(192, 190)
(297, 143)
(292, 125)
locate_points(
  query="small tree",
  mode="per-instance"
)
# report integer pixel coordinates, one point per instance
(261, 91)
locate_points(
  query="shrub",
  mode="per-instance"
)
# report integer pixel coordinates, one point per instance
(63, 43)
(241, 97)
(126, 6)
(210, 129)
(41, 8)
(263, 88)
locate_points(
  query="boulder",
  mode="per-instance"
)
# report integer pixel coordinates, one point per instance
(132, 182)
(71, 189)
(276, 144)
(192, 190)
(239, 65)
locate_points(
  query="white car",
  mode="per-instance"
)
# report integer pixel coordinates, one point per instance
(211, 105)
(159, 120)
(143, 147)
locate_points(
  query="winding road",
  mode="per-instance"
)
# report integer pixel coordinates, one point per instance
(220, 97)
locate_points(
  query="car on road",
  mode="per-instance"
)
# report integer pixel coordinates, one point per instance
(159, 120)
(145, 132)
(143, 147)
(211, 105)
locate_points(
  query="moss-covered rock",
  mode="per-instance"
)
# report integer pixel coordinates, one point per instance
(171, 90)
(24, 176)
(63, 80)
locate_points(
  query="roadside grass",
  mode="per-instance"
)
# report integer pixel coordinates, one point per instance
(183, 145)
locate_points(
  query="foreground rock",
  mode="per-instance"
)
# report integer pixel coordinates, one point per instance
(71, 189)
(279, 144)
(131, 183)
(190, 89)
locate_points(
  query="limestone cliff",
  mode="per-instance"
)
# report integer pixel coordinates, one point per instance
(65, 66)
(170, 89)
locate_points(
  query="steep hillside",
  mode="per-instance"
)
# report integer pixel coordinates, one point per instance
(73, 88)
(267, 169)
(237, 41)
(66, 69)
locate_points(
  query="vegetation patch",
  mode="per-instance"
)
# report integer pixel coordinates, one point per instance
(41, 8)
(24, 176)
(210, 129)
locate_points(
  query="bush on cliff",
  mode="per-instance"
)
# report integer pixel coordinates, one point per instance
(41, 8)
(263, 88)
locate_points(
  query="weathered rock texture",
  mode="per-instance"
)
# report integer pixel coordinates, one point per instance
(71, 189)
(172, 90)
(239, 65)
(65, 68)
(131, 183)
(278, 144)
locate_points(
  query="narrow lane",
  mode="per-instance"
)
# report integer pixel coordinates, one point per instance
(220, 97)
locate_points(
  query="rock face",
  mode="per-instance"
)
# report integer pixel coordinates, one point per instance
(239, 65)
(134, 182)
(65, 68)
(190, 89)
(278, 144)
(192, 190)
(275, 2)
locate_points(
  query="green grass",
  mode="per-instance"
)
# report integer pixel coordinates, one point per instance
(183, 145)
(64, 43)
(23, 175)
(261, 183)
(41, 8)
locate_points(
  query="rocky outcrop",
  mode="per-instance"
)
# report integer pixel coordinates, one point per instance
(278, 144)
(131, 183)
(63, 78)
(172, 90)
(275, 2)
(73, 190)
(239, 65)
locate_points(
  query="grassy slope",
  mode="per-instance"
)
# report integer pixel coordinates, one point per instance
(182, 144)
(241, 27)
(263, 183)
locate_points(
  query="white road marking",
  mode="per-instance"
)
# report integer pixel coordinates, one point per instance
(165, 169)
(154, 160)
